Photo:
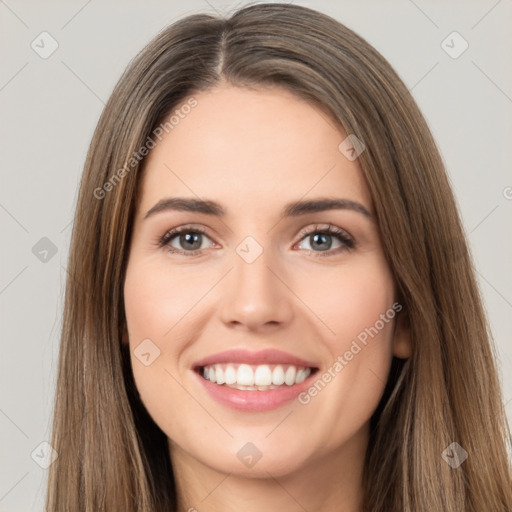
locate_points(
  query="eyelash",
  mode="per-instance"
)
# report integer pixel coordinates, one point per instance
(348, 243)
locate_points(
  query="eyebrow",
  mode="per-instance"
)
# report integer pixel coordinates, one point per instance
(294, 209)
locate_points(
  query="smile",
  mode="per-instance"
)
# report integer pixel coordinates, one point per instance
(254, 381)
(255, 377)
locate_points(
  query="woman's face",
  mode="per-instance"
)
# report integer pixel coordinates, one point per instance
(262, 279)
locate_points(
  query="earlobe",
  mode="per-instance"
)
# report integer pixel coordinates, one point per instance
(402, 343)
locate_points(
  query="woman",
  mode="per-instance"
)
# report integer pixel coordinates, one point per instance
(263, 367)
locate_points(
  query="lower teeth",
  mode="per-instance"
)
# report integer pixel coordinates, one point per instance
(251, 388)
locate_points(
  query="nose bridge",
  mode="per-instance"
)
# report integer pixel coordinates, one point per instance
(252, 275)
(252, 266)
(254, 294)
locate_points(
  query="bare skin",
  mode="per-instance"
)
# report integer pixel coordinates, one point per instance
(253, 151)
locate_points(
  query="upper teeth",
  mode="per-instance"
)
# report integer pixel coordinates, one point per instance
(258, 375)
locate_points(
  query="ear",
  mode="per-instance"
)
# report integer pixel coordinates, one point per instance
(402, 343)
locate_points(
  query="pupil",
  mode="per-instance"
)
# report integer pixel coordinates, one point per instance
(323, 237)
(190, 239)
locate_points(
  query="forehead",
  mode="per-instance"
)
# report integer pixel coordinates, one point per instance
(251, 148)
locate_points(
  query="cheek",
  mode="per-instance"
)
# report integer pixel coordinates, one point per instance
(365, 320)
(157, 297)
(351, 300)
(358, 310)
(154, 304)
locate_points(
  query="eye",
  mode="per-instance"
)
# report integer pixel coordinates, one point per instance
(189, 240)
(188, 237)
(321, 238)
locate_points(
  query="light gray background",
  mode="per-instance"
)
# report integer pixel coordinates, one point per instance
(49, 109)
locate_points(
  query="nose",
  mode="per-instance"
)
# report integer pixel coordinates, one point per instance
(255, 295)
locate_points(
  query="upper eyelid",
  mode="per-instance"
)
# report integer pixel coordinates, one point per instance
(316, 226)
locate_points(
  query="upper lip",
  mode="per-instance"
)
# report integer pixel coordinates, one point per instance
(268, 356)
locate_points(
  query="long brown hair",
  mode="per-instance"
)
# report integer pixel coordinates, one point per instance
(111, 455)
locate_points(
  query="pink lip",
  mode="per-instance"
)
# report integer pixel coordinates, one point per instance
(255, 401)
(268, 356)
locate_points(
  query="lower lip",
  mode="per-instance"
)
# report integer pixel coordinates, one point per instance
(254, 401)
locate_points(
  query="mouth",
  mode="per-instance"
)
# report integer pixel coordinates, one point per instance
(254, 381)
(251, 377)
